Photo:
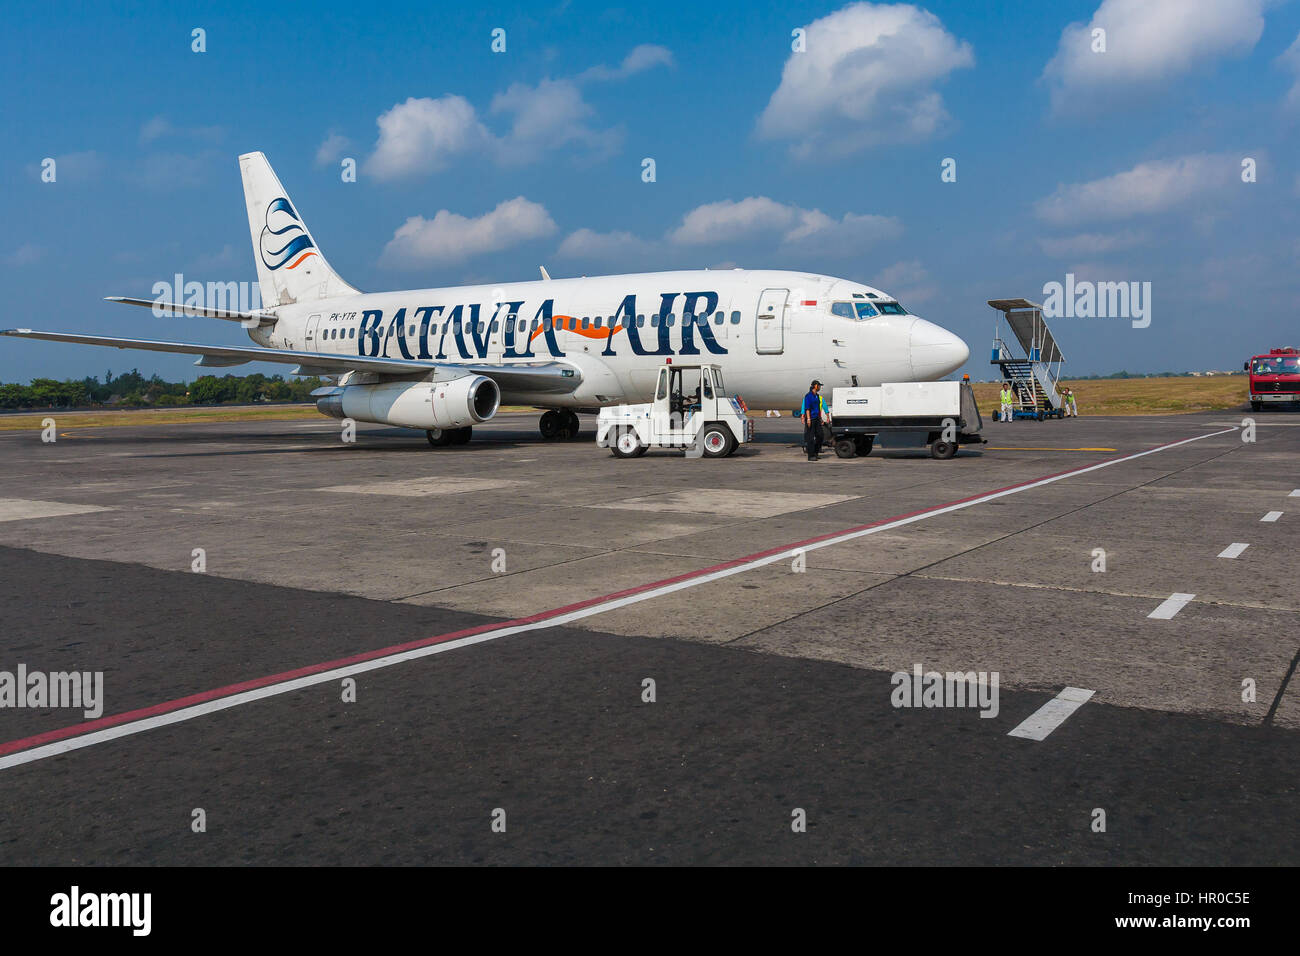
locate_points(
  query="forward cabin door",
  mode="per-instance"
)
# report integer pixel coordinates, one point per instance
(769, 324)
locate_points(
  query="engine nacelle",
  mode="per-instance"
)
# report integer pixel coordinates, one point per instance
(454, 404)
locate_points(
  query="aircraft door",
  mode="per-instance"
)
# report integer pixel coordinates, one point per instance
(769, 324)
(309, 337)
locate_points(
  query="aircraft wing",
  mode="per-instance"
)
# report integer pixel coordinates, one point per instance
(547, 377)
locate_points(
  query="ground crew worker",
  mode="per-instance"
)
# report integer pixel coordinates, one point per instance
(827, 438)
(812, 420)
(1071, 404)
(1007, 397)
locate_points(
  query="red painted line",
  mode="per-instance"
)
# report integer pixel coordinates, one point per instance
(102, 723)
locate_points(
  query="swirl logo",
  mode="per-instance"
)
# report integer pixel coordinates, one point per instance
(284, 240)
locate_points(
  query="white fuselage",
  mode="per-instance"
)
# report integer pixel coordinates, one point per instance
(771, 332)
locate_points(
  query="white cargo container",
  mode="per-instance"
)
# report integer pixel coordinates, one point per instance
(942, 414)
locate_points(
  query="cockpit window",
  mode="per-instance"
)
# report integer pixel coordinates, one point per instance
(891, 308)
(866, 310)
(842, 309)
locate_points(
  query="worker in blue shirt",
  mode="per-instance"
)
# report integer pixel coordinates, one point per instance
(812, 420)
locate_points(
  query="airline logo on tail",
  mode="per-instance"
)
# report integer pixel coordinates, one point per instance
(284, 240)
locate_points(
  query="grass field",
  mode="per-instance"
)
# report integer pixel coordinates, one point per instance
(1142, 396)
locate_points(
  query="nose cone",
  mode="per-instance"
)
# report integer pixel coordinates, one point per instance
(935, 352)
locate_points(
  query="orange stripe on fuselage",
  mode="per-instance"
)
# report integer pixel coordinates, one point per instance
(589, 333)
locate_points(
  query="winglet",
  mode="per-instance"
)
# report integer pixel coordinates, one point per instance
(545, 275)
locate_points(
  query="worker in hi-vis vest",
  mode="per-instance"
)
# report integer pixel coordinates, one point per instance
(1007, 398)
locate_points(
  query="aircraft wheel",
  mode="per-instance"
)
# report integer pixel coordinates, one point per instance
(439, 437)
(569, 425)
(549, 425)
(863, 444)
(718, 441)
(461, 436)
(845, 448)
(943, 450)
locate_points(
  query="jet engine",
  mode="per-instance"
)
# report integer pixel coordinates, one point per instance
(453, 404)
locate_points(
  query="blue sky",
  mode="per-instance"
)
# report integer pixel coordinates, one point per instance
(1122, 165)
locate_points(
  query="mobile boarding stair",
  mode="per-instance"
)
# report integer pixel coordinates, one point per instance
(1033, 375)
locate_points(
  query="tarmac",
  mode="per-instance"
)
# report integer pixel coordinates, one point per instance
(501, 606)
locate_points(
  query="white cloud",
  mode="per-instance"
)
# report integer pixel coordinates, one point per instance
(547, 116)
(866, 79)
(727, 220)
(450, 237)
(1146, 189)
(907, 281)
(331, 148)
(642, 58)
(419, 136)
(71, 167)
(1148, 44)
(1088, 243)
(1291, 60)
(751, 218)
(25, 255)
(422, 135)
(589, 244)
(165, 171)
(162, 128)
(820, 232)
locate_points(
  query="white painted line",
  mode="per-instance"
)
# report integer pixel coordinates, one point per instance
(1294, 494)
(1233, 550)
(1171, 606)
(1052, 714)
(1271, 516)
(65, 739)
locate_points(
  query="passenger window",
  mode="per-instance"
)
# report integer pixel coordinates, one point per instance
(640, 321)
(495, 325)
(671, 317)
(585, 321)
(654, 321)
(352, 333)
(718, 318)
(599, 320)
(735, 318)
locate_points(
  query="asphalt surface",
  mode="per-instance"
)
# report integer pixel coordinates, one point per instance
(773, 688)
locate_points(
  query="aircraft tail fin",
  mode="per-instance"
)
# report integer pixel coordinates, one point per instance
(290, 266)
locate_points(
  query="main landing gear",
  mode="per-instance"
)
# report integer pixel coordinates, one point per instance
(559, 424)
(442, 437)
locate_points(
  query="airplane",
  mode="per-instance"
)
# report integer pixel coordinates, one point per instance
(443, 360)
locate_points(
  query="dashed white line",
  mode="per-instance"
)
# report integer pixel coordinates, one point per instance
(1233, 550)
(1052, 714)
(1171, 606)
(1271, 516)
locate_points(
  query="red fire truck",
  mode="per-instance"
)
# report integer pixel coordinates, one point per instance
(1274, 378)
